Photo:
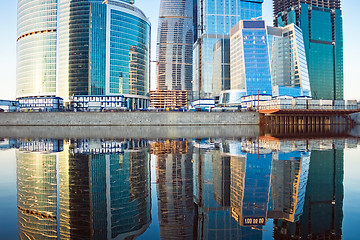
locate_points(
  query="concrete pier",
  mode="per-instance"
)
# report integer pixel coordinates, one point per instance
(315, 119)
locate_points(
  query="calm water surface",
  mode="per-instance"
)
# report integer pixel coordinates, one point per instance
(255, 187)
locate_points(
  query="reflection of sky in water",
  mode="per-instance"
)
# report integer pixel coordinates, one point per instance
(216, 185)
(8, 210)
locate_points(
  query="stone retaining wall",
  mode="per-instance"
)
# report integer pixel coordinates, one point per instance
(129, 119)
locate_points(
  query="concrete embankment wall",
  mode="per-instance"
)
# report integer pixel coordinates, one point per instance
(129, 119)
(134, 132)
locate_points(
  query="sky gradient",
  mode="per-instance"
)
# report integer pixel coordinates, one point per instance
(351, 8)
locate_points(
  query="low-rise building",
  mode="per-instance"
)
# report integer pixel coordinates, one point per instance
(9, 106)
(97, 103)
(41, 104)
(172, 99)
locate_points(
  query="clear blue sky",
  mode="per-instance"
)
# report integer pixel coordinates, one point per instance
(351, 8)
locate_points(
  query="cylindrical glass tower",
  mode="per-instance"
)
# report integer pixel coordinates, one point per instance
(36, 48)
(104, 48)
(175, 44)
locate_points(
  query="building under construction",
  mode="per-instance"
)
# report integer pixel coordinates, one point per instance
(168, 99)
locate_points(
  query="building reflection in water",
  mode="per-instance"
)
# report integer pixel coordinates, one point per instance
(175, 189)
(219, 190)
(83, 189)
(37, 188)
(323, 204)
(207, 188)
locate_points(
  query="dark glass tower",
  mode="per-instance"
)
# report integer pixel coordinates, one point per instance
(321, 24)
(174, 45)
(103, 48)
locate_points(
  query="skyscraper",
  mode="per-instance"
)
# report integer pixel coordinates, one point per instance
(250, 64)
(174, 45)
(214, 21)
(321, 24)
(288, 59)
(103, 48)
(36, 48)
(89, 47)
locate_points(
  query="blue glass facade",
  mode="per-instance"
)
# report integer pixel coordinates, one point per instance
(256, 189)
(97, 66)
(289, 69)
(250, 63)
(215, 19)
(218, 191)
(130, 197)
(287, 91)
(36, 48)
(321, 24)
(129, 52)
(103, 48)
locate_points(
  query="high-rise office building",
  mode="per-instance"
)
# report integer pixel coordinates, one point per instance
(321, 24)
(288, 60)
(103, 49)
(174, 45)
(221, 56)
(214, 21)
(249, 58)
(90, 47)
(36, 48)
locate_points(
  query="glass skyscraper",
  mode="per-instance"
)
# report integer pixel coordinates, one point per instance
(214, 21)
(288, 60)
(103, 48)
(321, 24)
(36, 48)
(174, 45)
(250, 64)
(89, 47)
